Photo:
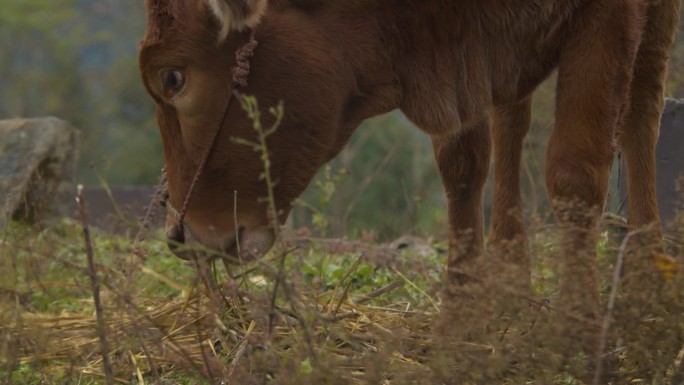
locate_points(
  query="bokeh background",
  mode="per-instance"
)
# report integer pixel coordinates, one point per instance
(77, 60)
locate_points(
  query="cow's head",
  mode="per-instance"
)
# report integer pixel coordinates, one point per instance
(186, 59)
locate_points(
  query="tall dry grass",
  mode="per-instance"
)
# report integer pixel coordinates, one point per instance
(367, 315)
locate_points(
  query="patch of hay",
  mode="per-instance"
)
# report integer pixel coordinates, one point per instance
(197, 333)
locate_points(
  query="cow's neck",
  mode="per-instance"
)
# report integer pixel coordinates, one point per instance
(409, 57)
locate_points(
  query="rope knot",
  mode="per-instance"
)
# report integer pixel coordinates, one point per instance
(242, 56)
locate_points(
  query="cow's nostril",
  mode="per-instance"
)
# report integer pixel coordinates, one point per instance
(175, 239)
(175, 234)
(234, 241)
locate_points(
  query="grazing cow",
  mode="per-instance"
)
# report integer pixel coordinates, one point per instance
(463, 71)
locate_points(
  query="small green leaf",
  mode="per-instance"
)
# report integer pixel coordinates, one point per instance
(305, 367)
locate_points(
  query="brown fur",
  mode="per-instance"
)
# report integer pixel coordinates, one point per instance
(458, 69)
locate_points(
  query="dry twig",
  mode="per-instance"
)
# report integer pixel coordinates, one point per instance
(95, 286)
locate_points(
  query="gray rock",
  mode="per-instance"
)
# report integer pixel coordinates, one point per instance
(37, 168)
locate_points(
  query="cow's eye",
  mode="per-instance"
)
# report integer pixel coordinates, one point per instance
(173, 82)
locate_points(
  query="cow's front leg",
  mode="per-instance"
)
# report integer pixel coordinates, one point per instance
(463, 162)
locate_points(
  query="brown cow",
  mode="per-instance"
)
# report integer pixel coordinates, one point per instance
(456, 68)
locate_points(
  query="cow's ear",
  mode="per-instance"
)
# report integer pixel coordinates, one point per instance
(237, 14)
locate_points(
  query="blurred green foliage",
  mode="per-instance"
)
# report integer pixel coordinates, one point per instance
(385, 181)
(77, 59)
